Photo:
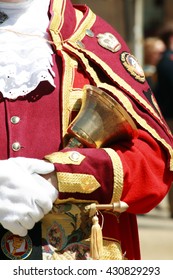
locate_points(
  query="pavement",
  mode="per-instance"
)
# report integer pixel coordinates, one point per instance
(156, 233)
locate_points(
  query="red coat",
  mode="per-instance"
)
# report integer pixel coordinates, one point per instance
(138, 172)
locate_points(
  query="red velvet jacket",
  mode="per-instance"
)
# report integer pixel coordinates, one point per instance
(137, 172)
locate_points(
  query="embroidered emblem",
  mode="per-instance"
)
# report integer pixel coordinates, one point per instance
(56, 236)
(132, 66)
(16, 247)
(109, 42)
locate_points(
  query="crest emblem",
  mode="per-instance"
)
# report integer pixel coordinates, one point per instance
(109, 42)
(132, 66)
(16, 247)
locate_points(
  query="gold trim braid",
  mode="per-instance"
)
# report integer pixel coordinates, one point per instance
(118, 174)
(76, 182)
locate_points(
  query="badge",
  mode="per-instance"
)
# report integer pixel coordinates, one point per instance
(109, 42)
(16, 247)
(132, 66)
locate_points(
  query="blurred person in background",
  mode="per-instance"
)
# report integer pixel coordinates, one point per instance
(153, 50)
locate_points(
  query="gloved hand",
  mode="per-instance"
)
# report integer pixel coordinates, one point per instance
(25, 197)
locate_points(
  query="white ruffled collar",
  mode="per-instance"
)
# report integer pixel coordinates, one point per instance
(25, 54)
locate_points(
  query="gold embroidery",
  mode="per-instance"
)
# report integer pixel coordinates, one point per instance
(112, 250)
(90, 71)
(81, 31)
(67, 230)
(57, 21)
(118, 174)
(74, 182)
(71, 157)
(132, 66)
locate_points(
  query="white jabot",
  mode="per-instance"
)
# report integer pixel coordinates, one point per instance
(25, 54)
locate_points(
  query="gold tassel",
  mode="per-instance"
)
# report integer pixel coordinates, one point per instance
(96, 245)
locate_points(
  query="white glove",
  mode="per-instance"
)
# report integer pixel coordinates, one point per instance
(25, 196)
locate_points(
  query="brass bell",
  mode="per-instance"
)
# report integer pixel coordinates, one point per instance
(100, 121)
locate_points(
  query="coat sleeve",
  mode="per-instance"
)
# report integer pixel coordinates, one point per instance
(135, 172)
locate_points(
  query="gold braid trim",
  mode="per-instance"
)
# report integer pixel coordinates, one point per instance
(90, 71)
(81, 30)
(120, 81)
(75, 182)
(118, 174)
(57, 22)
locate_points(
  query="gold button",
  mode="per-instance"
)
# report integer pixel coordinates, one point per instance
(15, 119)
(16, 146)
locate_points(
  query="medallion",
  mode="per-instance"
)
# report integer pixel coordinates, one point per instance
(132, 66)
(16, 247)
(109, 42)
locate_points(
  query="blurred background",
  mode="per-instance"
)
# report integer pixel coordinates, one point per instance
(133, 19)
(137, 20)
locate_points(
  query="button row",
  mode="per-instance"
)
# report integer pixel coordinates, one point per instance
(16, 146)
(89, 33)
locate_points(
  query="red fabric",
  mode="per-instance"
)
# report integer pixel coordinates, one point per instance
(143, 188)
(39, 129)
(100, 56)
(150, 180)
(145, 163)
